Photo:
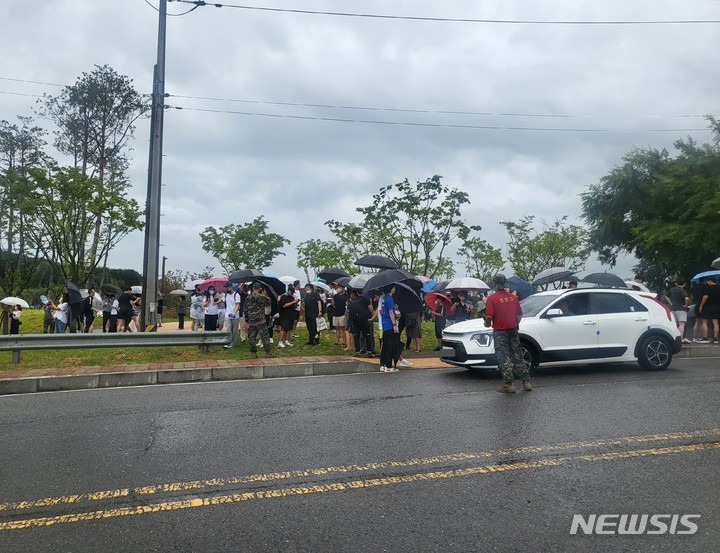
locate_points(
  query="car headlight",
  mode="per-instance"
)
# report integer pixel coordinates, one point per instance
(482, 339)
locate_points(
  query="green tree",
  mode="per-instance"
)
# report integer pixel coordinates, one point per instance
(62, 207)
(412, 224)
(482, 260)
(246, 246)
(96, 119)
(663, 210)
(557, 245)
(315, 255)
(21, 148)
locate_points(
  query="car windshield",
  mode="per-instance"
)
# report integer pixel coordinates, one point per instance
(532, 305)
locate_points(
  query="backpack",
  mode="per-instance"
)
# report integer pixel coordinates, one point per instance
(358, 309)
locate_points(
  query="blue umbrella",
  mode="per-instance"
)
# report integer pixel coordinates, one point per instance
(522, 287)
(705, 275)
(428, 286)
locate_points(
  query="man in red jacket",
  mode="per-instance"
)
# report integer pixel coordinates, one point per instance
(503, 313)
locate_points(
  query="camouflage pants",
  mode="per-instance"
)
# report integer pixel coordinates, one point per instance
(262, 330)
(509, 356)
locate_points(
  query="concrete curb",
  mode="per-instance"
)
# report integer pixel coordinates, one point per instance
(25, 385)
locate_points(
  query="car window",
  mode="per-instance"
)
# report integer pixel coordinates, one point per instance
(615, 303)
(578, 303)
(532, 305)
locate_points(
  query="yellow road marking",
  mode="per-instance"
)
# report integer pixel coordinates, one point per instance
(286, 475)
(340, 486)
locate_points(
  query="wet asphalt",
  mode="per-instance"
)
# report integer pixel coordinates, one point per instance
(431, 460)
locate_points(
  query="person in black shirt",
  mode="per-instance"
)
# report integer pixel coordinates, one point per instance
(286, 304)
(88, 311)
(709, 310)
(125, 309)
(339, 320)
(313, 308)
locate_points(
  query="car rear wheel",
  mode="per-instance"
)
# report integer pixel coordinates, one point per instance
(655, 353)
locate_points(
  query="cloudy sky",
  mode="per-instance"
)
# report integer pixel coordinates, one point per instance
(548, 108)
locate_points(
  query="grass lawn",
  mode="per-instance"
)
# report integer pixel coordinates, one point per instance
(32, 324)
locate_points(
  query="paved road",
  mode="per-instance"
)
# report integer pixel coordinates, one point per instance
(411, 461)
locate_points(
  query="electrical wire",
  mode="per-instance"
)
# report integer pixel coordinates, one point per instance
(439, 112)
(199, 3)
(173, 14)
(420, 124)
(386, 109)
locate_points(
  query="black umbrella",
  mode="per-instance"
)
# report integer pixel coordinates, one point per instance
(440, 286)
(74, 294)
(376, 262)
(343, 281)
(554, 274)
(111, 289)
(407, 299)
(522, 287)
(272, 294)
(392, 276)
(331, 274)
(605, 279)
(244, 275)
(272, 283)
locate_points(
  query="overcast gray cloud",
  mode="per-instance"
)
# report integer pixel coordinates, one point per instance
(223, 168)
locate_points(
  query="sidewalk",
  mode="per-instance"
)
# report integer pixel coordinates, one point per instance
(19, 381)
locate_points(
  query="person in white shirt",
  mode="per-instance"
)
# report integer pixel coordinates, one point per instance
(232, 315)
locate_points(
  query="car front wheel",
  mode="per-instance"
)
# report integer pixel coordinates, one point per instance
(655, 353)
(530, 355)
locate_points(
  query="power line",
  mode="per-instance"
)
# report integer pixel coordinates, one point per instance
(20, 94)
(450, 19)
(429, 111)
(28, 81)
(173, 14)
(433, 125)
(387, 109)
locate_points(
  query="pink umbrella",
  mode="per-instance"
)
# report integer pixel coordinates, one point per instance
(422, 278)
(217, 282)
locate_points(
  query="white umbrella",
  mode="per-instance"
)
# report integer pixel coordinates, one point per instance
(358, 281)
(179, 293)
(716, 264)
(191, 284)
(467, 283)
(12, 300)
(287, 279)
(322, 285)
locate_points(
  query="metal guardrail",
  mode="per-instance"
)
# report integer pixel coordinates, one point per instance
(19, 342)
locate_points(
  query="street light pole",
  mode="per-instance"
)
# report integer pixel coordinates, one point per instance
(152, 205)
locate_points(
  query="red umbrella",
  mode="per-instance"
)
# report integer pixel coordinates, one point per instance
(217, 282)
(430, 300)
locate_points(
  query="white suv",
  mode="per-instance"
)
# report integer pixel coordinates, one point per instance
(566, 327)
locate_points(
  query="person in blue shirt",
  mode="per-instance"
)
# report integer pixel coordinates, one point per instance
(390, 332)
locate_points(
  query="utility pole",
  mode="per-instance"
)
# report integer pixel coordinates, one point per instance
(152, 205)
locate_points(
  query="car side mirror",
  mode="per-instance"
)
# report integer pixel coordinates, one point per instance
(554, 313)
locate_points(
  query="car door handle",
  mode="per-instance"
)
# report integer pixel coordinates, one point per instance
(589, 323)
(641, 318)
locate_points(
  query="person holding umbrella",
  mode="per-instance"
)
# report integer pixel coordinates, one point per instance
(390, 331)
(15, 321)
(437, 310)
(255, 319)
(313, 310)
(503, 313)
(62, 313)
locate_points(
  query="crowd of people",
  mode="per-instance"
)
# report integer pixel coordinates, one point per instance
(253, 313)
